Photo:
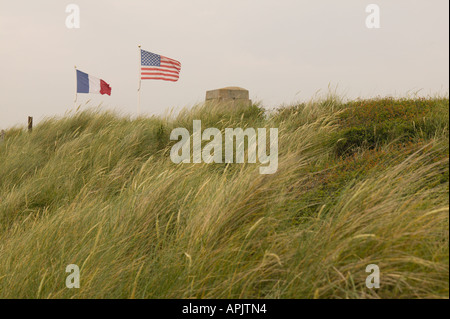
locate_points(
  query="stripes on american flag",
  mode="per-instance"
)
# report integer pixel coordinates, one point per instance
(158, 67)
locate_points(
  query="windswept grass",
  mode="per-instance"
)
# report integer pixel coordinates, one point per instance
(358, 183)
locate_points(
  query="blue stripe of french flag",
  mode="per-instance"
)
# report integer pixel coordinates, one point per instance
(89, 84)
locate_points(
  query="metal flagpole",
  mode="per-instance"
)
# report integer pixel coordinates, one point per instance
(76, 88)
(139, 86)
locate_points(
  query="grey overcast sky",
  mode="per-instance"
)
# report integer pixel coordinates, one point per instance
(281, 51)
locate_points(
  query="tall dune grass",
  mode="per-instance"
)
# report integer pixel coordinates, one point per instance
(358, 183)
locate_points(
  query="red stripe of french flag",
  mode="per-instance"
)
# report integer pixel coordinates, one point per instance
(104, 88)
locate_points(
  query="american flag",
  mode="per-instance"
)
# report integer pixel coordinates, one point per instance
(158, 67)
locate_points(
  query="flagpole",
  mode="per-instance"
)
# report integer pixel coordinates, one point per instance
(139, 86)
(76, 88)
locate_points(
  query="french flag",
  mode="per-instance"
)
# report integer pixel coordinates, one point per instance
(89, 84)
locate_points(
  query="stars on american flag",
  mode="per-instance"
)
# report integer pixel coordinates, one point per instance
(150, 59)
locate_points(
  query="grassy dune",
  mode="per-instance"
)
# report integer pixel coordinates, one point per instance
(358, 183)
